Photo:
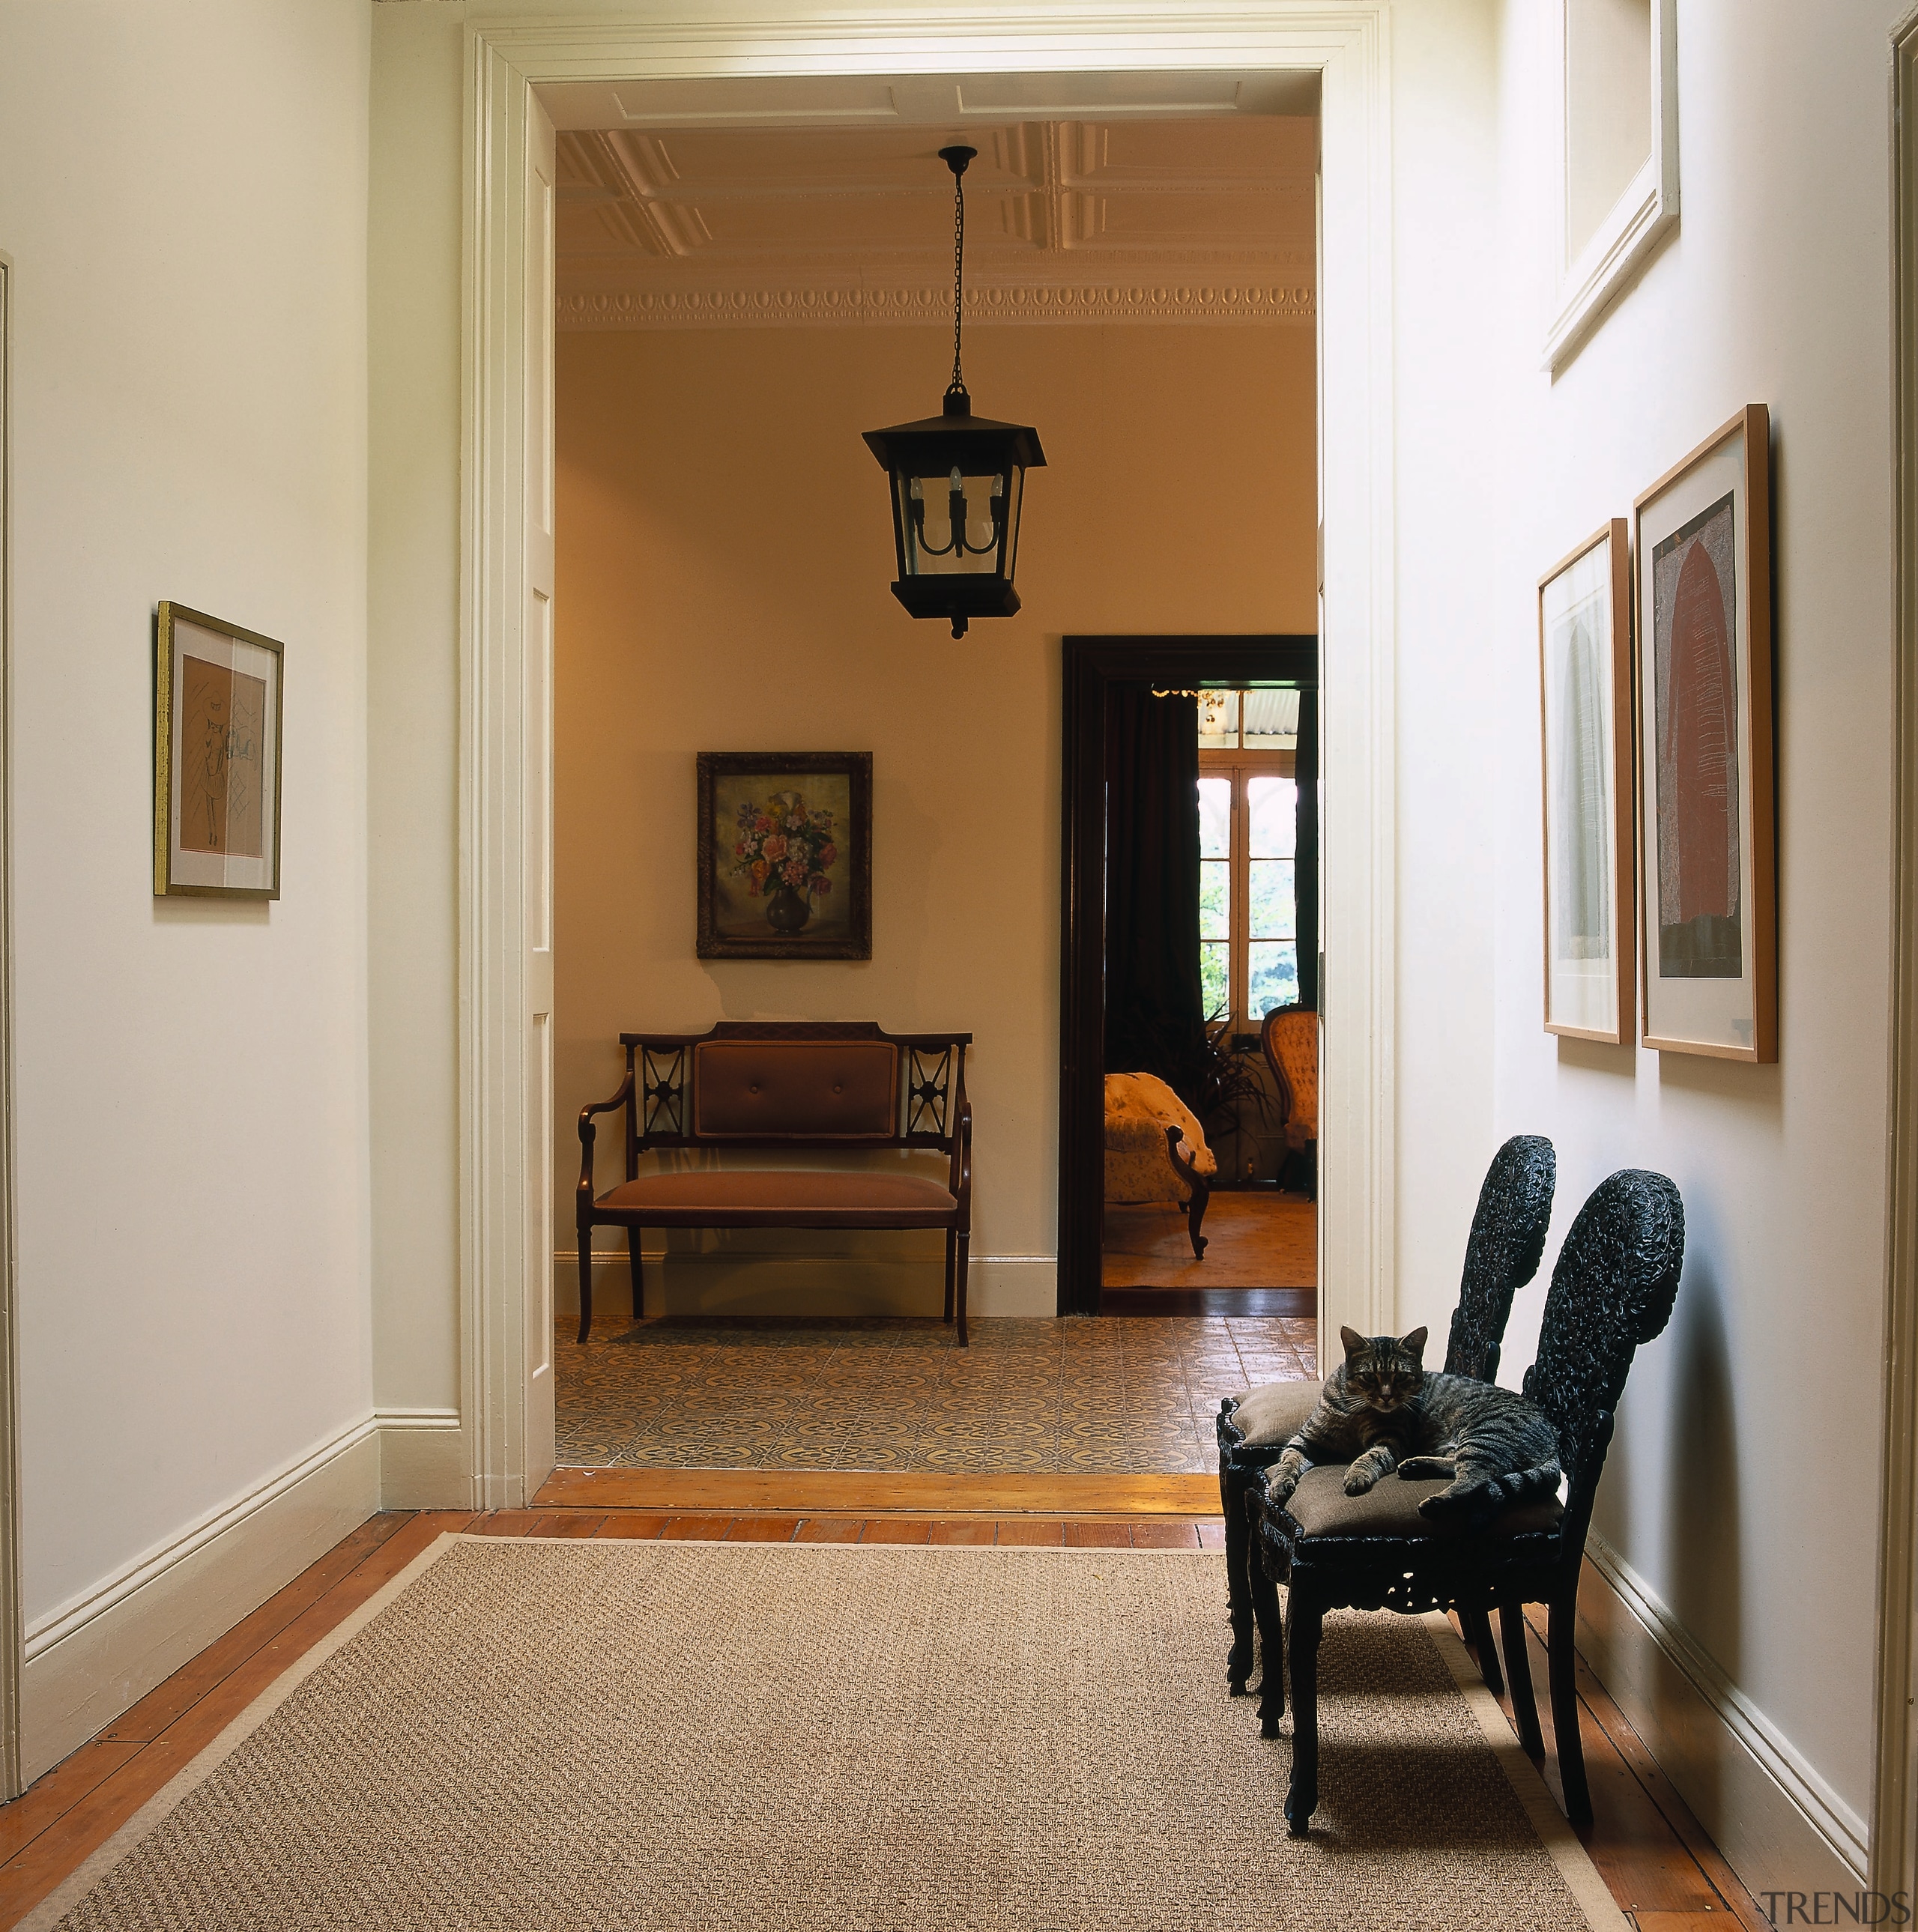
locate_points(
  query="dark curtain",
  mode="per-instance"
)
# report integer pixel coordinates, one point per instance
(1155, 1021)
(1305, 850)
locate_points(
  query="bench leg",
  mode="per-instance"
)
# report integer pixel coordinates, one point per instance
(950, 1239)
(585, 1285)
(964, 1244)
(638, 1284)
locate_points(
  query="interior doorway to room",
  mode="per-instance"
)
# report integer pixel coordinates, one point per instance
(1191, 955)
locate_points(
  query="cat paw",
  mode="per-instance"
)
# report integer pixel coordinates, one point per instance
(1469, 1505)
(1418, 1469)
(1359, 1478)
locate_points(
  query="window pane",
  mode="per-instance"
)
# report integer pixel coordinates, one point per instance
(1274, 910)
(1275, 976)
(1218, 721)
(1215, 899)
(1274, 812)
(1215, 818)
(1214, 979)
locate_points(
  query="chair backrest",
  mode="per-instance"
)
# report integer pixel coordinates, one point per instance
(1290, 1037)
(1612, 1288)
(1508, 1238)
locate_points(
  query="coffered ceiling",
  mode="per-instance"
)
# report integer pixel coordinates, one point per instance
(1192, 202)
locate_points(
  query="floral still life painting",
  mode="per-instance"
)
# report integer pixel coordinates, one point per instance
(784, 866)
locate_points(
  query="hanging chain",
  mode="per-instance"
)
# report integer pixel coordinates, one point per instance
(957, 386)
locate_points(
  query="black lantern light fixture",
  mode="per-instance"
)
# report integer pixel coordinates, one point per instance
(957, 482)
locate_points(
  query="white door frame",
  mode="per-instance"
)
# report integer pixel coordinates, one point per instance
(1894, 1844)
(503, 1143)
(13, 1629)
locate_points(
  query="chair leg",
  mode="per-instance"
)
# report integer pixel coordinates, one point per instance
(1305, 1622)
(1562, 1615)
(1478, 1628)
(1195, 1216)
(1270, 1614)
(1238, 1576)
(964, 1245)
(950, 1239)
(585, 1285)
(638, 1282)
(1518, 1674)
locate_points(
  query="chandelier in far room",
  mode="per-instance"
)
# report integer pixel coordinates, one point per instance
(958, 480)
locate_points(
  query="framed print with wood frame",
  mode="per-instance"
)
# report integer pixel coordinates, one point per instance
(1708, 867)
(1585, 715)
(216, 758)
(785, 855)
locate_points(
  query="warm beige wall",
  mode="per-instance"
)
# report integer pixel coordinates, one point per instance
(723, 559)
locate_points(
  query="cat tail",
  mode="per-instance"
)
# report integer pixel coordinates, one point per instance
(1522, 1485)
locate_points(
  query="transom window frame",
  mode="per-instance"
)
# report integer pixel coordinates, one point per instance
(1242, 766)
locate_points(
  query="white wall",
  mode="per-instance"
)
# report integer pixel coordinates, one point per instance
(1741, 1492)
(183, 191)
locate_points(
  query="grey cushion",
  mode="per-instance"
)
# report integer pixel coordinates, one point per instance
(1275, 1411)
(1321, 1508)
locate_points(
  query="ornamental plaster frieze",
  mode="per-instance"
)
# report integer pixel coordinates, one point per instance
(769, 308)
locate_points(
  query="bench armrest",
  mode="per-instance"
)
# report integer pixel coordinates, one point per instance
(588, 1133)
(959, 1175)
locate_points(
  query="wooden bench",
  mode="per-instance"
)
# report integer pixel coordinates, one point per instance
(800, 1086)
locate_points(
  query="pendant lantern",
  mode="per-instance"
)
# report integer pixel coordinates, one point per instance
(958, 480)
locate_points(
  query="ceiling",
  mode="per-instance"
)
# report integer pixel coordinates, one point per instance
(1182, 198)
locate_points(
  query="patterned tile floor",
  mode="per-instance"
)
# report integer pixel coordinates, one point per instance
(1136, 1394)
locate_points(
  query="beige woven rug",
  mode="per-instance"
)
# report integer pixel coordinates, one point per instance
(560, 1736)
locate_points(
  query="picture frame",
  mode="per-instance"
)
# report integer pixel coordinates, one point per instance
(218, 712)
(1708, 868)
(784, 855)
(1585, 678)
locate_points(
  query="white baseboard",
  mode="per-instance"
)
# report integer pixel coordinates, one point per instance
(92, 1657)
(785, 1284)
(1780, 1825)
(425, 1460)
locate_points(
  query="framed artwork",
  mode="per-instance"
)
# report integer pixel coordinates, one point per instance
(785, 855)
(1708, 869)
(216, 758)
(1585, 714)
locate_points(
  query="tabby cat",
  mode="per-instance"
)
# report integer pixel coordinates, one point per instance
(1382, 1411)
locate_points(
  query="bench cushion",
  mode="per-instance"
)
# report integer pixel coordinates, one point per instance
(1323, 1510)
(786, 1191)
(795, 1089)
(1276, 1411)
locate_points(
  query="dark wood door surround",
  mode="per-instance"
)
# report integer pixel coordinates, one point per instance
(1091, 665)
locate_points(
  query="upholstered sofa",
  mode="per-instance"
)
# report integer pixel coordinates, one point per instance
(1156, 1150)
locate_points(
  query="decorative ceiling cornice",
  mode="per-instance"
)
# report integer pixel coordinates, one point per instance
(1239, 305)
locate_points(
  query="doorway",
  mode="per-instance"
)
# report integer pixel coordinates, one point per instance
(1245, 800)
(506, 1127)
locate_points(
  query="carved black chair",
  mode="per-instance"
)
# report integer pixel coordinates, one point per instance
(1501, 1255)
(1612, 1292)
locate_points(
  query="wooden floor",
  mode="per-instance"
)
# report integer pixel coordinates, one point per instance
(1660, 1867)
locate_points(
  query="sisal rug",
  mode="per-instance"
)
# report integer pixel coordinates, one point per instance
(559, 1736)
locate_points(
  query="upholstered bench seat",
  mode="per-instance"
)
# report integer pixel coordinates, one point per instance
(793, 1197)
(1326, 1516)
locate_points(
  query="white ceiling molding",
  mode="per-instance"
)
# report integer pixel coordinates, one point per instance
(817, 308)
(1164, 220)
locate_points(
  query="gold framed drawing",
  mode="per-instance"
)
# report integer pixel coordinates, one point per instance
(216, 758)
(1585, 725)
(1708, 878)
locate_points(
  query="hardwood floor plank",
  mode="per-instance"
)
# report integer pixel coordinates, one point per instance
(908, 1493)
(567, 1523)
(506, 1522)
(1164, 1536)
(51, 1796)
(165, 1701)
(1033, 1535)
(696, 1529)
(1098, 1536)
(894, 1529)
(762, 1529)
(962, 1532)
(829, 1529)
(630, 1525)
